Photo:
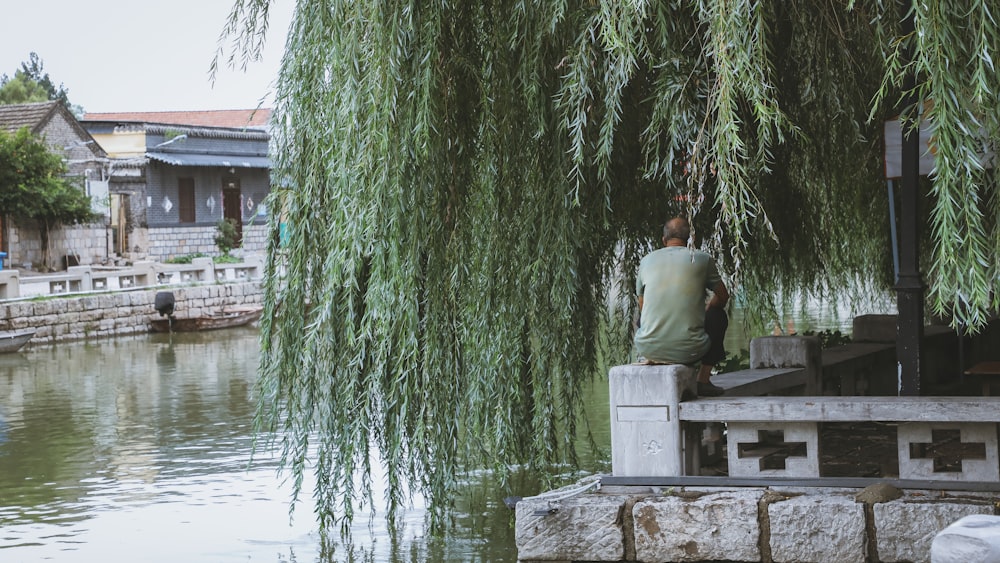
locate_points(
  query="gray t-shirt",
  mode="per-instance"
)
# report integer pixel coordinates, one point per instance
(674, 282)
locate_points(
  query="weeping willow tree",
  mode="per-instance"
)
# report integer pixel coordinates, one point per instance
(466, 189)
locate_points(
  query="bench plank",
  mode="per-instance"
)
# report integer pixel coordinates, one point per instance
(842, 409)
(749, 382)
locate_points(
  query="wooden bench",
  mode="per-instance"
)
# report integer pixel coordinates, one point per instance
(763, 381)
(792, 424)
(986, 373)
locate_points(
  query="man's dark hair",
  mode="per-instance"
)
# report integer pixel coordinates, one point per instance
(678, 228)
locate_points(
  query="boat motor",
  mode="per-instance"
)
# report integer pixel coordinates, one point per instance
(164, 303)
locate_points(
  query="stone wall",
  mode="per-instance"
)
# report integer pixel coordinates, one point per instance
(118, 313)
(740, 524)
(170, 242)
(89, 243)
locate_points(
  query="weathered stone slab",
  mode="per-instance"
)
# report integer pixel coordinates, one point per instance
(874, 328)
(719, 526)
(905, 528)
(844, 409)
(817, 529)
(582, 528)
(974, 538)
(790, 351)
(761, 381)
(646, 439)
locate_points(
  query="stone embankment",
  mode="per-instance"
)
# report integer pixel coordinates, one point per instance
(632, 524)
(123, 312)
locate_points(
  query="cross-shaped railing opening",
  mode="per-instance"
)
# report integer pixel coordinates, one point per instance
(771, 448)
(947, 450)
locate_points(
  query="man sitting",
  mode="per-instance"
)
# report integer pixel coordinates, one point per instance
(675, 325)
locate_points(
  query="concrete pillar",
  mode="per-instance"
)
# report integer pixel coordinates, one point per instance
(874, 328)
(86, 279)
(206, 269)
(145, 273)
(255, 265)
(646, 437)
(790, 352)
(10, 284)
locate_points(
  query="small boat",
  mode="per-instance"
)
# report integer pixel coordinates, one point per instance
(224, 317)
(12, 340)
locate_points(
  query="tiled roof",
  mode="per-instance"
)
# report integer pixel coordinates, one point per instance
(235, 118)
(32, 116)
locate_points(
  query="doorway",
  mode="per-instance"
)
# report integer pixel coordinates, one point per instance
(232, 205)
(119, 223)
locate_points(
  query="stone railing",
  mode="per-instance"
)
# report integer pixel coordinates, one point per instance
(662, 503)
(87, 279)
(658, 429)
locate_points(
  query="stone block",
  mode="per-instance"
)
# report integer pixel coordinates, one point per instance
(790, 352)
(911, 435)
(583, 528)
(719, 526)
(10, 284)
(905, 528)
(783, 351)
(817, 529)
(874, 328)
(974, 538)
(646, 438)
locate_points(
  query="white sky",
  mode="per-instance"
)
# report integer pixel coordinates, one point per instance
(139, 55)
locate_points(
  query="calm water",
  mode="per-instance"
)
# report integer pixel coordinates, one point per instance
(137, 449)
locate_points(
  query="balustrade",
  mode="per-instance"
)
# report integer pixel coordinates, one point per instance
(84, 279)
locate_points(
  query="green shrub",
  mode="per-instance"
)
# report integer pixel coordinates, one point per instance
(185, 259)
(228, 237)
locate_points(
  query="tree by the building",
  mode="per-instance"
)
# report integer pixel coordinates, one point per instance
(34, 186)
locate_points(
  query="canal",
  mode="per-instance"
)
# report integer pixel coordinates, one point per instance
(138, 449)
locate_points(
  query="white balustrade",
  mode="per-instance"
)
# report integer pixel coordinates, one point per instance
(84, 279)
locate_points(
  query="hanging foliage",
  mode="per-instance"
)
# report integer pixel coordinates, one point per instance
(953, 48)
(466, 189)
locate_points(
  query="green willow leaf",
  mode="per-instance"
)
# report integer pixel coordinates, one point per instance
(463, 191)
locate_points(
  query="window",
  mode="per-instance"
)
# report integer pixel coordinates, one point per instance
(185, 200)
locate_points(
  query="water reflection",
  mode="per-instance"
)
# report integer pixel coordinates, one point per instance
(137, 449)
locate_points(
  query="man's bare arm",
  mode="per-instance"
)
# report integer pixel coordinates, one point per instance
(720, 296)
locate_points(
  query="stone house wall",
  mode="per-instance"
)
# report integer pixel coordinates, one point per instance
(88, 244)
(161, 188)
(171, 242)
